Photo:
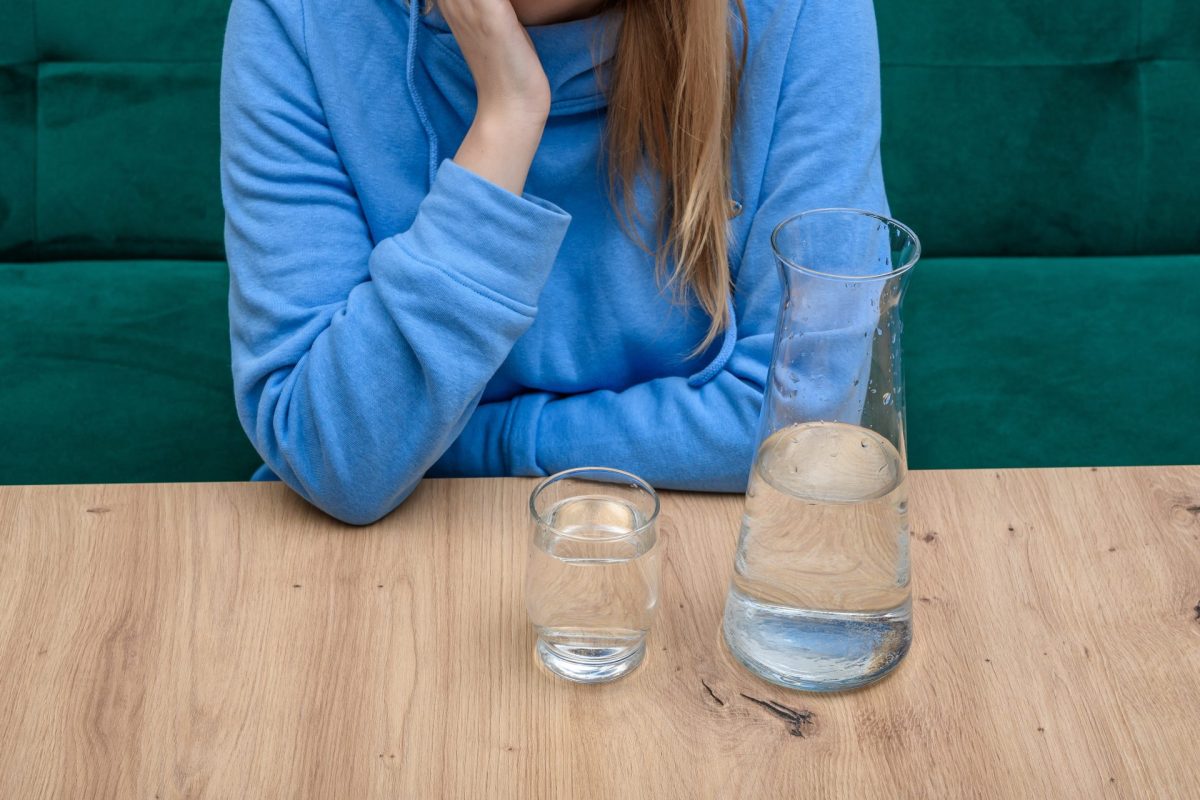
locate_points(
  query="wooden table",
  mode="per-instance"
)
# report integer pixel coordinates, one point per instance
(226, 640)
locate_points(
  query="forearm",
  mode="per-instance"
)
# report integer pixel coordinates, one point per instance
(353, 421)
(350, 402)
(500, 148)
(671, 433)
(513, 95)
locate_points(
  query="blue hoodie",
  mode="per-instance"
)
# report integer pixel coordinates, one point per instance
(393, 315)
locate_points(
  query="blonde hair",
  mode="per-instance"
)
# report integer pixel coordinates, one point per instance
(671, 104)
(672, 100)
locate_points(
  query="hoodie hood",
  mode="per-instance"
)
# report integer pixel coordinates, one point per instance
(575, 55)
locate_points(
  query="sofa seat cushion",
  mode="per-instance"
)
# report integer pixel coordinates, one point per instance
(1036, 362)
(118, 371)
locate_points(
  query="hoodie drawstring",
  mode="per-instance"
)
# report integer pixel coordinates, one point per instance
(728, 342)
(431, 141)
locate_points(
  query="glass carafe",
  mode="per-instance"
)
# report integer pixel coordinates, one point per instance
(820, 595)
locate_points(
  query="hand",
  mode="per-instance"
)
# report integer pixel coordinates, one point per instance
(509, 78)
(513, 93)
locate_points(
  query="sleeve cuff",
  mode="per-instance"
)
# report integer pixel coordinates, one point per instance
(486, 236)
(522, 434)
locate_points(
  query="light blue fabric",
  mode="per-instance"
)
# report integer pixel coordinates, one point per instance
(410, 66)
(391, 318)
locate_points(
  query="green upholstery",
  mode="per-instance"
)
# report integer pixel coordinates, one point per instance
(1016, 362)
(1020, 128)
(109, 138)
(1024, 127)
(117, 371)
(1014, 131)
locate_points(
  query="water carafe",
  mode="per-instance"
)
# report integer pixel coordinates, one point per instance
(820, 595)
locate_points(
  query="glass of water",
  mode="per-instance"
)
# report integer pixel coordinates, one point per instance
(592, 581)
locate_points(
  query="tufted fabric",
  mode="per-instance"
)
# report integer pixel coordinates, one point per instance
(1024, 127)
(108, 129)
(1011, 127)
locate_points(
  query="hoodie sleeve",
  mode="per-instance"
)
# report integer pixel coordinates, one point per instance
(671, 431)
(356, 363)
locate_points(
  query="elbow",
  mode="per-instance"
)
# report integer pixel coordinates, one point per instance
(348, 483)
(360, 512)
(352, 499)
(340, 477)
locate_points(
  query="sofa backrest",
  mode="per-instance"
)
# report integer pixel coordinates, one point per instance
(1012, 127)
(109, 135)
(1027, 127)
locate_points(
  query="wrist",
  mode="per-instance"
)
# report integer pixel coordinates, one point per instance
(505, 124)
(501, 148)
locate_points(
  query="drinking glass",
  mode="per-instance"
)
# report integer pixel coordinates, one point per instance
(820, 596)
(592, 582)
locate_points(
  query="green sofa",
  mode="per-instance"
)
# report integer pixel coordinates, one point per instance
(1047, 153)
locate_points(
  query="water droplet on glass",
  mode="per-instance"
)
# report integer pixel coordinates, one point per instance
(879, 332)
(863, 442)
(887, 398)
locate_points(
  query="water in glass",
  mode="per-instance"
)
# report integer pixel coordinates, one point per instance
(592, 586)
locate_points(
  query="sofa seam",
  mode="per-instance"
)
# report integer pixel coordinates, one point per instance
(212, 61)
(948, 64)
(37, 116)
(1142, 111)
(1110, 62)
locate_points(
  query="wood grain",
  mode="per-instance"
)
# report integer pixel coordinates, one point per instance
(227, 641)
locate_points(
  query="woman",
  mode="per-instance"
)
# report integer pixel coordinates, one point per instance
(508, 237)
